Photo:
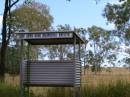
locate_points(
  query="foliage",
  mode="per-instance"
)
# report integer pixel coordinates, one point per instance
(63, 51)
(6, 34)
(8, 27)
(59, 51)
(13, 60)
(37, 18)
(34, 17)
(119, 14)
(100, 41)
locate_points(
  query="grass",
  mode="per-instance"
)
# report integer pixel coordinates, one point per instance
(8, 90)
(104, 84)
(105, 76)
(119, 89)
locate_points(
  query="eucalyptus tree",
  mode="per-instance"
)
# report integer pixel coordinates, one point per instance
(99, 39)
(58, 51)
(37, 18)
(6, 33)
(119, 14)
(34, 17)
(63, 51)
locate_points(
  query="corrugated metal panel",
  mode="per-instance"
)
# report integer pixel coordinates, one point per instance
(50, 73)
(77, 73)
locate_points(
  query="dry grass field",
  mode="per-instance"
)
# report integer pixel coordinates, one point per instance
(106, 76)
(114, 82)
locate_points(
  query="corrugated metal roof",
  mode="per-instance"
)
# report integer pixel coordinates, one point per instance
(50, 37)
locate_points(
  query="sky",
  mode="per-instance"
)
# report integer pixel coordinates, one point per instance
(76, 13)
(0, 22)
(79, 13)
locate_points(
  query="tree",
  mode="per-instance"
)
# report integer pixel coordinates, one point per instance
(100, 41)
(95, 33)
(34, 17)
(12, 24)
(6, 31)
(63, 51)
(59, 51)
(12, 60)
(119, 14)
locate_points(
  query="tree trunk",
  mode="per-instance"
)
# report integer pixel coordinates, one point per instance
(4, 42)
(5, 38)
(2, 61)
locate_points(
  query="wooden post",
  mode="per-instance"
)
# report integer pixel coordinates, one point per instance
(79, 51)
(84, 65)
(28, 52)
(61, 52)
(28, 68)
(21, 70)
(80, 59)
(74, 48)
(74, 89)
(84, 58)
(78, 88)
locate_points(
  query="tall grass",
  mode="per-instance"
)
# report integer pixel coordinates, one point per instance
(118, 89)
(11, 91)
(8, 90)
(106, 84)
(60, 92)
